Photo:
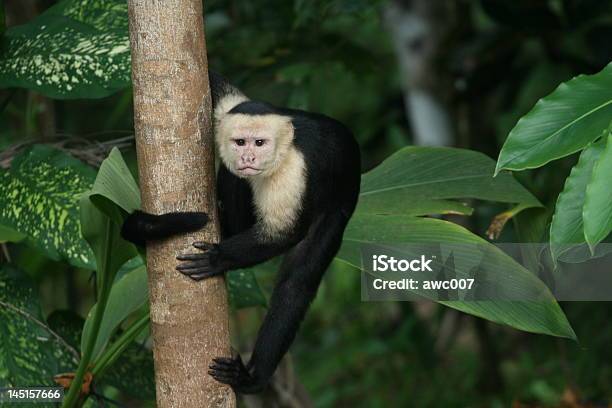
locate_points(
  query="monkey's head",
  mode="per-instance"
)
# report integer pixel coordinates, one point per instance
(253, 145)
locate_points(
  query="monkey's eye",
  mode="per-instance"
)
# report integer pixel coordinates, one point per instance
(260, 142)
(239, 142)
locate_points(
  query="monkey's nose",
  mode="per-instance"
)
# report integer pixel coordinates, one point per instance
(248, 158)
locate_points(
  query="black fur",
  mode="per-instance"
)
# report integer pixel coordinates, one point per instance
(219, 87)
(254, 108)
(333, 178)
(140, 226)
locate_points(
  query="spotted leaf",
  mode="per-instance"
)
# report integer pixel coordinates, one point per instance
(39, 198)
(75, 49)
(243, 289)
(30, 352)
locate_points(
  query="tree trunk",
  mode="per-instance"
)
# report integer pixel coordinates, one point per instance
(421, 32)
(172, 118)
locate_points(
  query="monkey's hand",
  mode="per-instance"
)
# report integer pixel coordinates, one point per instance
(232, 371)
(200, 265)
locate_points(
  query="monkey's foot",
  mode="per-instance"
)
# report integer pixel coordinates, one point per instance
(200, 265)
(232, 371)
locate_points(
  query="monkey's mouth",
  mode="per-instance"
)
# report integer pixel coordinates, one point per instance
(248, 171)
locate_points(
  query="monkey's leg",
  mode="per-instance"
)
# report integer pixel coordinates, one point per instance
(140, 226)
(300, 275)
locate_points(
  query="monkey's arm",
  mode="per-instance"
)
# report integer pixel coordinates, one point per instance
(140, 226)
(300, 276)
(239, 251)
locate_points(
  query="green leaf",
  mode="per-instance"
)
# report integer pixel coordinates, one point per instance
(567, 226)
(39, 198)
(75, 49)
(538, 317)
(67, 324)
(426, 180)
(597, 213)
(30, 352)
(101, 230)
(101, 217)
(10, 235)
(101, 224)
(243, 289)
(133, 373)
(561, 123)
(127, 295)
(102, 234)
(115, 188)
(403, 202)
(423, 176)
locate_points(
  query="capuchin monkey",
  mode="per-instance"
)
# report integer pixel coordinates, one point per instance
(287, 184)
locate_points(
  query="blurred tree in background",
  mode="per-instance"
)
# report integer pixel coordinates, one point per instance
(398, 73)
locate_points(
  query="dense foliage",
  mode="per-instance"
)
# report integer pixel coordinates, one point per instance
(68, 306)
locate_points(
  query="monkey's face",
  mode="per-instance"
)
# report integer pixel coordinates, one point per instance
(252, 146)
(252, 152)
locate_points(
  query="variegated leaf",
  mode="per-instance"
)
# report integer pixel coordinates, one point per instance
(75, 49)
(39, 198)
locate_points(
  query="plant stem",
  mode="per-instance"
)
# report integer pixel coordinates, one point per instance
(75, 387)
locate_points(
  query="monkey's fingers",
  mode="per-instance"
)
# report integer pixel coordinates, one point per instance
(189, 262)
(226, 361)
(196, 270)
(199, 274)
(204, 275)
(205, 246)
(230, 379)
(191, 257)
(228, 370)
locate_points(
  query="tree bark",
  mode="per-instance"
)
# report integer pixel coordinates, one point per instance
(174, 142)
(421, 32)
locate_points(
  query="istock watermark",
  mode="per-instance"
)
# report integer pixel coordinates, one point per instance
(385, 263)
(482, 271)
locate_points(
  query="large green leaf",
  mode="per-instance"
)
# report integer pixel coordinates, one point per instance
(75, 49)
(421, 180)
(127, 295)
(544, 316)
(30, 352)
(102, 232)
(101, 222)
(561, 123)
(115, 191)
(39, 198)
(598, 201)
(567, 227)
(403, 202)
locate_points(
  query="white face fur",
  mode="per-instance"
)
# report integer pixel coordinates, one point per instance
(253, 145)
(260, 149)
